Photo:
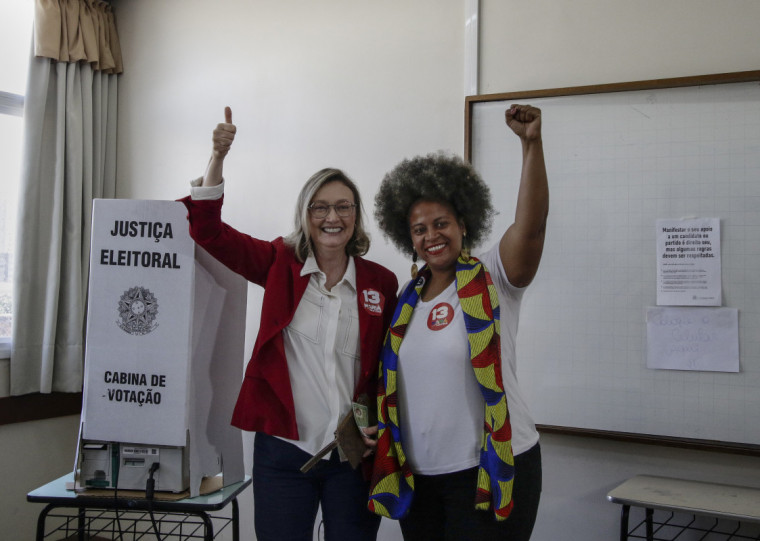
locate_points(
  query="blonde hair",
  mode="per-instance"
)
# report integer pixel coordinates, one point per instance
(300, 238)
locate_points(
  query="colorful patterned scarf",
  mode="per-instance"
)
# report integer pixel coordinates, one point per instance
(392, 484)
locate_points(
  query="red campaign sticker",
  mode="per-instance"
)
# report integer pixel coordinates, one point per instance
(440, 316)
(373, 301)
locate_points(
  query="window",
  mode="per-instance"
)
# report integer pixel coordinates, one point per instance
(15, 42)
(16, 21)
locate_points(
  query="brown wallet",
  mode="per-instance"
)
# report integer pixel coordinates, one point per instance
(348, 438)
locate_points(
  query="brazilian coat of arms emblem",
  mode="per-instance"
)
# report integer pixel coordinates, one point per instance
(138, 309)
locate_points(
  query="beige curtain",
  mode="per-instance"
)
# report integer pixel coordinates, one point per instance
(77, 30)
(69, 158)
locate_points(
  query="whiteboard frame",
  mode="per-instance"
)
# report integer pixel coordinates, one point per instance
(654, 84)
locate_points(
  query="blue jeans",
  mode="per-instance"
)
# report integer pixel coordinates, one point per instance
(286, 501)
(443, 507)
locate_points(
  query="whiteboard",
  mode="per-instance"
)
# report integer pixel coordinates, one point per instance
(618, 158)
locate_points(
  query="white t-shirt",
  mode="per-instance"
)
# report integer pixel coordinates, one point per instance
(440, 404)
(524, 433)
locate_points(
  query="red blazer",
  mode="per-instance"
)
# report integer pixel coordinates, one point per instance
(265, 403)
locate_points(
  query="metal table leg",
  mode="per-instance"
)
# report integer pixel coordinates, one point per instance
(624, 512)
(235, 520)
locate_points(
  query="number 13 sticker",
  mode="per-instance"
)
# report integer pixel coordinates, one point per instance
(440, 316)
(372, 301)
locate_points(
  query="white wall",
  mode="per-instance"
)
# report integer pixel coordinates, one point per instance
(355, 85)
(535, 44)
(31, 455)
(360, 85)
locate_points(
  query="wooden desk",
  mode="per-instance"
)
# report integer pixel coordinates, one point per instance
(740, 504)
(124, 518)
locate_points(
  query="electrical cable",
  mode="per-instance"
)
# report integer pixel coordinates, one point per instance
(116, 487)
(150, 486)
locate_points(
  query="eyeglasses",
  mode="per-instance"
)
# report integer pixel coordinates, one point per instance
(321, 210)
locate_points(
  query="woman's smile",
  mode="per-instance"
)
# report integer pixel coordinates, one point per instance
(436, 234)
(332, 232)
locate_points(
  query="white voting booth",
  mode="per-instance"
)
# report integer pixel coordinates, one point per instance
(164, 354)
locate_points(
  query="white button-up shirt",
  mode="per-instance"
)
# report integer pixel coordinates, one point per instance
(322, 348)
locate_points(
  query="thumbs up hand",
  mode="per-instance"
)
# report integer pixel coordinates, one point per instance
(223, 136)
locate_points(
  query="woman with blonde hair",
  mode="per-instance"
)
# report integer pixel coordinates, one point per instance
(323, 316)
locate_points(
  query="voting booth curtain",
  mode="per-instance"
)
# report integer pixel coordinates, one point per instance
(69, 159)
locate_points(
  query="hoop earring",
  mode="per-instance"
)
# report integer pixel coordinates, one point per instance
(414, 265)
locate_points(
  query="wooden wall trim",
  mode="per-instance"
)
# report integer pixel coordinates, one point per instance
(651, 439)
(37, 406)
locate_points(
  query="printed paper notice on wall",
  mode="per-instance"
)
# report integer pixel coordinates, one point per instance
(688, 262)
(693, 339)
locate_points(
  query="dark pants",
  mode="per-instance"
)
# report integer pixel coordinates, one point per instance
(286, 501)
(443, 507)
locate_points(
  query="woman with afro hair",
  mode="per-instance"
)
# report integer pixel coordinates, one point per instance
(457, 453)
